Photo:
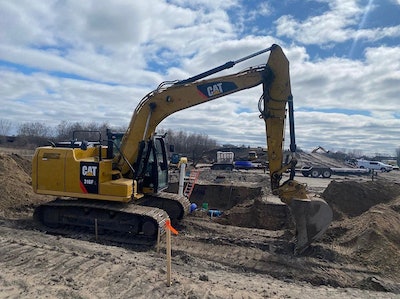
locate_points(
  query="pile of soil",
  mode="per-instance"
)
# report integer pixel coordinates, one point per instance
(367, 226)
(241, 196)
(258, 213)
(373, 238)
(16, 192)
(352, 198)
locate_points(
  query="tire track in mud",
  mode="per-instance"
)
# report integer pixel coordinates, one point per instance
(66, 266)
(36, 265)
(265, 252)
(241, 249)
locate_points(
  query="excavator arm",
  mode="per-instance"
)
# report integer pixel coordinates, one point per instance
(311, 216)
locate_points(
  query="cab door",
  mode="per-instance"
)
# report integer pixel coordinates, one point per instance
(162, 163)
(152, 166)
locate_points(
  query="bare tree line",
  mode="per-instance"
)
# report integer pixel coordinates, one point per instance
(189, 144)
(5, 127)
(33, 134)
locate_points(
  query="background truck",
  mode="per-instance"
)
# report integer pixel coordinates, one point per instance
(224, 161)
(374, 165)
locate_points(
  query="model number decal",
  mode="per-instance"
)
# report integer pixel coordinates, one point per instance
(89, 177)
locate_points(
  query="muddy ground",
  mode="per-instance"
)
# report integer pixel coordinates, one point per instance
(245, 253)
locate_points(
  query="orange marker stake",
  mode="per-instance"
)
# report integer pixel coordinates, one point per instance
(169, 226)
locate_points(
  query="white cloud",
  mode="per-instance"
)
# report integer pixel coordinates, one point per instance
(331, 26)
(206, 4)
(118, 48)
(347, 133)
(341, 23)
(96, 39)
(348, 84)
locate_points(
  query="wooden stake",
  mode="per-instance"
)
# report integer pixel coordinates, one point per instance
(168, 230)
(168, 257)
(158, 239)
(95, 228)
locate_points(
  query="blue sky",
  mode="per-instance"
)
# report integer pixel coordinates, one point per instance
(94, 60)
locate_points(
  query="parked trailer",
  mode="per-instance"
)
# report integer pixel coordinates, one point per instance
(346, 171)
(326, 172)
(316, 171)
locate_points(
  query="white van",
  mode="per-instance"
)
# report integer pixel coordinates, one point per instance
(374, 165)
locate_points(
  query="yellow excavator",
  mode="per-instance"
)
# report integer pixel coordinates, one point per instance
(118, 188)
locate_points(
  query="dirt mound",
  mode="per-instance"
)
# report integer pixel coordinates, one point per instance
(373, 238)
(352, 198)
(318, 159)
(367, 229)
(16, 185)
(258, 213)
(25, 164)
(240, 196)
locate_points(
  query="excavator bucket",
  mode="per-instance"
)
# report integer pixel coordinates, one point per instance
(312, 218)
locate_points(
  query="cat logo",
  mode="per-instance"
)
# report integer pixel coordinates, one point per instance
(214, 89)
(89, 170)
(89, 177)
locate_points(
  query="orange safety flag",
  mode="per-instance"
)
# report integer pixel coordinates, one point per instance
(169, 226)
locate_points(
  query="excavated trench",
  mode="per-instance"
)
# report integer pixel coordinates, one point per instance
(244, 206)
(221, 197)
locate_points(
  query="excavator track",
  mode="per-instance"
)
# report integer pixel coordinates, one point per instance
(176, 206)
(129, 223)
(126, 223)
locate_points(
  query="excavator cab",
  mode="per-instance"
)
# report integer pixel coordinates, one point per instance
(114, 140)
(151, 167)
(151, 171)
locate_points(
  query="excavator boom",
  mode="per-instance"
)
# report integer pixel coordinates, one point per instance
(168, 99)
